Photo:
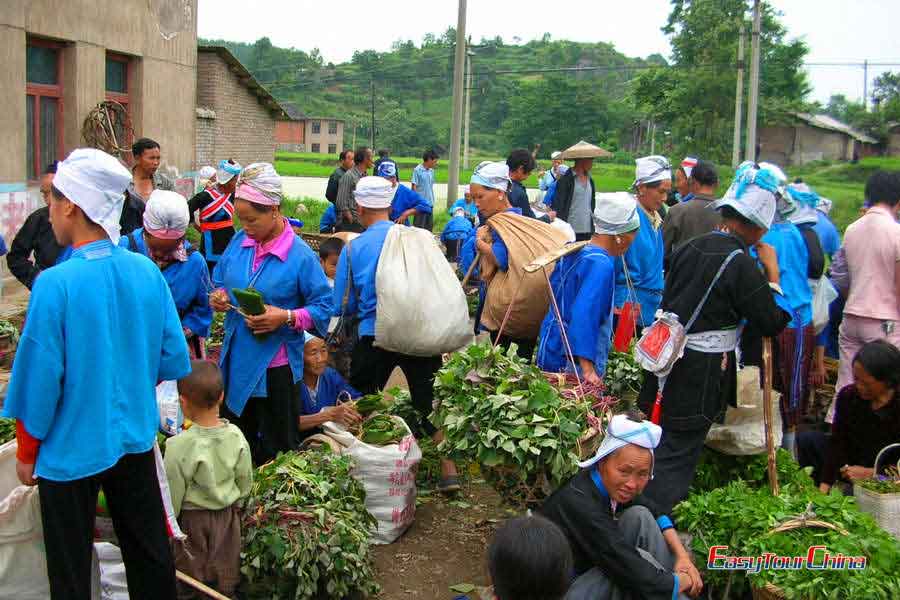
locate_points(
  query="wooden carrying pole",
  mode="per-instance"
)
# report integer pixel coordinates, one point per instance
(200, 587)
(767, 414)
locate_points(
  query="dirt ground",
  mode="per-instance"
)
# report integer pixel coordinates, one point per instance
(446, 546)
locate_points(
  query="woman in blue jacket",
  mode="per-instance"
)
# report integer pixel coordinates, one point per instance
(161, 239)
(262, 356)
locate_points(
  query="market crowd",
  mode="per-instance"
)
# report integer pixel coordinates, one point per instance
(121, 301)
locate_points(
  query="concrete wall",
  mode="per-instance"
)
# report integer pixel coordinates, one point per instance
(244, 128)
(323, 138)
(802, 144)
(206, 138)
(162, 80)
(162, 71)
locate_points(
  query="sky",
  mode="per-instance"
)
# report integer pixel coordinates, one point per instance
(837, 31)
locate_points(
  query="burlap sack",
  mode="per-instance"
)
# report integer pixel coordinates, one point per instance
(525, 239)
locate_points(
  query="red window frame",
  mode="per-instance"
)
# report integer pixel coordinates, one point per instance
(123, 99)
(43, 90)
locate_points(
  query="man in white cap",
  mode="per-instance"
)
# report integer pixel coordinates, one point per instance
(584, 287)
(683, 178)
(624, 545)
(704, 381)
(371, 366)
(216, 212)
(551, 175)
(104, 332)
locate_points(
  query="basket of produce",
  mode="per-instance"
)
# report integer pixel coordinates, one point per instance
(502, 413)
(307, 530)
(9, 340)
(880, 495)
(742, 514)
(314, 240)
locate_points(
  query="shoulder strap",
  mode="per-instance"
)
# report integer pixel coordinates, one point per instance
(132, 243)
(349, 282)
(719, 273)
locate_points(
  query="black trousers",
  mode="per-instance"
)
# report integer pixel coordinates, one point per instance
(68, 510)
(525, 348)
(812, 447)
(372, 367)
(452, 252)
(424, 221)
(583, 237)
(271, 423)
(675, 461)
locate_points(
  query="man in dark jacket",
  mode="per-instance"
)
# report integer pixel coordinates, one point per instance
(521, 163)
(35, 236)
(346, 163)
(694, 215)
(574, 198)
(623, 545)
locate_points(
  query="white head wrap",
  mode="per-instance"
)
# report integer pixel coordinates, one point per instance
(227, 171)
(752, 194)
(374, 192)
(166, 215)
(806, 201)
(459, 212)
(207, 172)
(561, 170)
(779, 174)
(95, 182)
(615, 213)
(493, 175)
(259, 183)
(555, 155)
(623, 431)
(650, 169)
(308, 337)
(824, 204)
(465, 190)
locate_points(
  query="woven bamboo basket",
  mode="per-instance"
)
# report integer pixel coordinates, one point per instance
(771, 591)
(314, 240)
(885, 508)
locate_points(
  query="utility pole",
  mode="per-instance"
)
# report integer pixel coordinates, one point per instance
(469, 55)
(653, 137)
(865, 84)
(753, 102)
(353, 143)
(738, 100)
(456, 123)
(372, 92)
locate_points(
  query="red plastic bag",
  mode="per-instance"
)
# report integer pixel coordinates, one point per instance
(626, 326)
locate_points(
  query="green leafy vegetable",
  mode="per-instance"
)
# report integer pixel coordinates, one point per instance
(382, 430)
(7, 430)
(306, 535)
(372, 403)
(623, 377)
(501, 412)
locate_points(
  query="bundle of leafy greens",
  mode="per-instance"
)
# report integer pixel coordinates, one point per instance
(381, 430)
(742, 515)
(7, 430)
(623, 376)
(716, 470)
(306, 534)
(501, 412)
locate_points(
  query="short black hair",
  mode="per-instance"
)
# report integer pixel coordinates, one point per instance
(142, 145)
(429, 155)
(705, 173)
(881, 360)
(343, 154)
(530, 559)
(330, 247)
(883, 188)
(203, 387)
(359, 156)
(51, 168)
(520, 157)
(384, 153)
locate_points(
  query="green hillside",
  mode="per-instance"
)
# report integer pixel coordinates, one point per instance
(413, 82)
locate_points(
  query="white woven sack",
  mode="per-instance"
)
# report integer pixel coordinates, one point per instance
(744, 433)
(421, 307)
(388, 474)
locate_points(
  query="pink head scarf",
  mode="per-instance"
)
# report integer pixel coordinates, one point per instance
(260, 184)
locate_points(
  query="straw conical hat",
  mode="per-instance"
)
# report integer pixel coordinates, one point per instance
(584, 150)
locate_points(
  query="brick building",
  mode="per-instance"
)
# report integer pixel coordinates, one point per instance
(804, 138)
(302, 133)
(235, 115)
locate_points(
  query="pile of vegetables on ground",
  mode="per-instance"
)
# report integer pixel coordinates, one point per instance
(306, 531)
(502, 413)
(381, 430)
(623, 377)
(731, 505)
(7, 430)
